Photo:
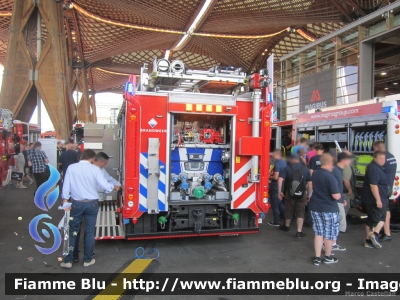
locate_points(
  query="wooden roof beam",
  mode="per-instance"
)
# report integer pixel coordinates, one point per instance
(357, 8)
(342, 10)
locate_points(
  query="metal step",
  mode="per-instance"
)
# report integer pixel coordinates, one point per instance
(106, 225)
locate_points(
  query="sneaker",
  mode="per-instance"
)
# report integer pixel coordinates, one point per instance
(66, 265)
(87, 264)
(300, 235)
(330, 260)
(385, 238)
(76, 258)
(273, 224)
(375, 241)
(369, 245)
(317, 261)
(22, 187)
(284, 227)
(338, 248)
(32, 181)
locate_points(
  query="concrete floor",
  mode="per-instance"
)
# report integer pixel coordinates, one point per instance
(270, 251)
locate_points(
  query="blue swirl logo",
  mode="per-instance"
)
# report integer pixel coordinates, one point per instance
(45, 197)
(33, 230)
(45, 188)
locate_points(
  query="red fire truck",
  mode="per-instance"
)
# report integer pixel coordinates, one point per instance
(354, 127)
(27, 132)
(192, 164)
(12, 132)
(49, 135)
(6, 123)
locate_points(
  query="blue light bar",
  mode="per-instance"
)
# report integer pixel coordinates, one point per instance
(130, 88)
(390, 109)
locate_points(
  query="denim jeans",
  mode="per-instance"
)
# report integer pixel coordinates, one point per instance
(277, 206)
(78, 238)
(80, 211)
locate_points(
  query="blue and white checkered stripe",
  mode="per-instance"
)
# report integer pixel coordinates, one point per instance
(144, 174)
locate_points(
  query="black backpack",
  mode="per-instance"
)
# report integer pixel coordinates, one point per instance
(297, 186)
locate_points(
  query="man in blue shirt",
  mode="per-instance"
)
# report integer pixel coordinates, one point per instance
(374, 199)
(277, 206)
(324, 210)
(100, 160)
(303, 143)
(343, 161)
(315, 162)
(80, 184)
(295, 206)
(390, 169)
(68, 157)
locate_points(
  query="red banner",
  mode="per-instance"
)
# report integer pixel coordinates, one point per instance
(347, 112)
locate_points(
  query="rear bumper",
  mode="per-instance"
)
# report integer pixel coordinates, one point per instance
(186, 234)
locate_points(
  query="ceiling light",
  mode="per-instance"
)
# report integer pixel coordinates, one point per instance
(167, 54)
(196, 21)
(383, 73)
(395, 83)
(386, 88)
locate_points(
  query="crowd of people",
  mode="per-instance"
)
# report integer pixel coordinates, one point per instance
(83, 177)
(31, 161)
(315, 189)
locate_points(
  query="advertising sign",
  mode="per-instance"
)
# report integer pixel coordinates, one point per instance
(317, 90)
(49, 146)
(347, 112)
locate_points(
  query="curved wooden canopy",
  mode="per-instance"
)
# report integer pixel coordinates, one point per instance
(114, 38)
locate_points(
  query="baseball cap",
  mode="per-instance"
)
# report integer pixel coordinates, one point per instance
(342, 155)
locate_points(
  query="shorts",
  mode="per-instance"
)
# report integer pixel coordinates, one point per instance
(326, 224)
(294, 207)
(375, 214)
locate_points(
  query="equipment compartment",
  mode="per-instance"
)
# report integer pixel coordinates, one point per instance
(200, 158)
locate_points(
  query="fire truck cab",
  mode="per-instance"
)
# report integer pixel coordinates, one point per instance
(353, 127)
(191, 163)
